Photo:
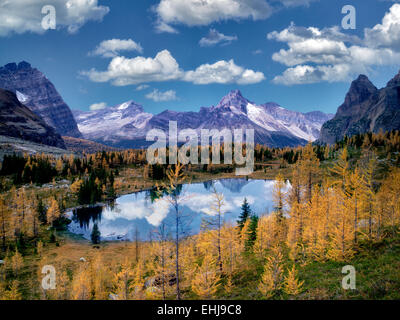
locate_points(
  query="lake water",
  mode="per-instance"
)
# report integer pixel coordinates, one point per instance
(139, 214)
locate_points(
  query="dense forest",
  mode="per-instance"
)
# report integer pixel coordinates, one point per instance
(342, 209)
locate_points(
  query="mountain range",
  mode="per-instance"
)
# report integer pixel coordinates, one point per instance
(126, 125)
(32, 109)
(36, 92)
(365, 109)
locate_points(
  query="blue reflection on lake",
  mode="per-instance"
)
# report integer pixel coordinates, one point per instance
(138, 212)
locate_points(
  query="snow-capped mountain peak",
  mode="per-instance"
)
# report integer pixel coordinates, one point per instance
(125, 120)
(234, 99)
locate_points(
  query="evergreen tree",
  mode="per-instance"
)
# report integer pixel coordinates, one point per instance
(252, 232)
(246, 212)
(95, 236)
(41, 210)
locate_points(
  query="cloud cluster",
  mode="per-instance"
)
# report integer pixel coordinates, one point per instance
(223, 72)
(112, 48)
(387, 34)
(26, 15)
(154, 213)
(214, 37)
(316, 55)
(159, 96)
(124, 71)
(204, 12)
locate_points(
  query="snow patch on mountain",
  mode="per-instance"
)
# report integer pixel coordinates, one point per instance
(21, 97)
(276, 118)
(259, 116)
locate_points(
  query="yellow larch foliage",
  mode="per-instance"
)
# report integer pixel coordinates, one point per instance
(39, 248)
(341, 230)
(231, 249)
(13, 293)
(101, 277)
(53, 213)
(75, 186)
(270, 232)
(163, 269)
(123, 280)
(292, 285)
(188, 263)
(271, 280)
(5, 222)
(63, 288)
(228, 285)
(206, 280)
(368, 197)
(138, 281)
(81, 284)
(314, 231)
(16, 262)
(309, 170)
(59, 165)
(279, 195)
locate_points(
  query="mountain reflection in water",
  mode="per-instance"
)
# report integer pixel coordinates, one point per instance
(142, 212)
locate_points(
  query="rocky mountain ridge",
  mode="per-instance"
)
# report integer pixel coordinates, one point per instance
(16, 120)
(36, 92)
(365, 109)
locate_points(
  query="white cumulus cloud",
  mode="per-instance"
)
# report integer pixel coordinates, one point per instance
(214, 37)
(159, 96)
(386, 34)
(124, 71)
(223, 72)
(98, 106)
(20, 16)
(112, 48)
(205, 12)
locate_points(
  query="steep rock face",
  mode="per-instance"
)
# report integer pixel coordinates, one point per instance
(234, 98)
(366, 109)
(273, 125)
(35, 91)
(18, 121)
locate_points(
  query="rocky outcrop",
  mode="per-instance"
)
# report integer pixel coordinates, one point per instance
(365, 109)
(36, 92)
(18, 121)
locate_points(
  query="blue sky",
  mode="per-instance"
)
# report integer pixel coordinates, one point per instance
(314, 74)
